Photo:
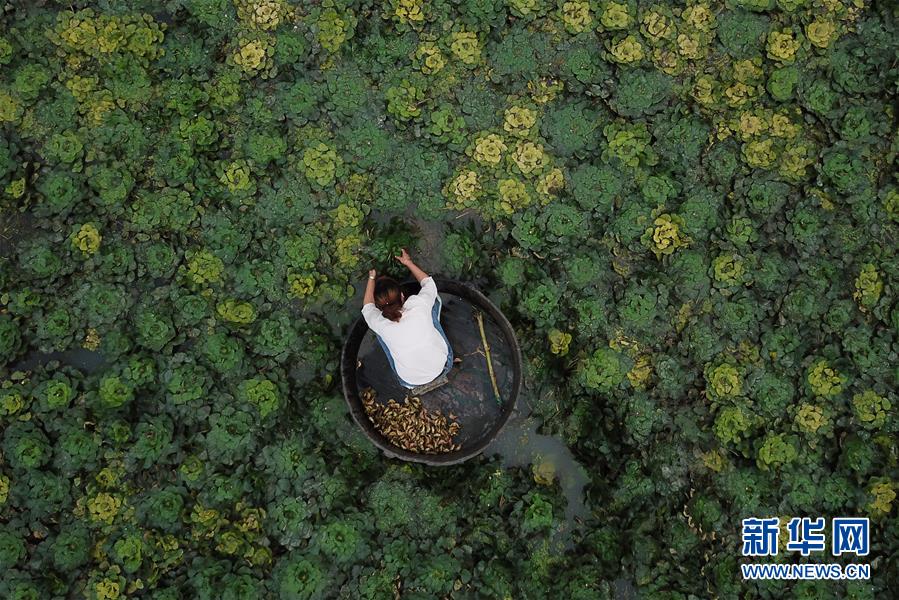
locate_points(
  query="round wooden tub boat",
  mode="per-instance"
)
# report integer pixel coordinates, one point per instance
(468, 394)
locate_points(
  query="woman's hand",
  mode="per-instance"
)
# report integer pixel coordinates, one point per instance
(404, 258)
(413, 268)
(368, 297)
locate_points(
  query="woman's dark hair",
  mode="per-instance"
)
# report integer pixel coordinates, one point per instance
(388, 298)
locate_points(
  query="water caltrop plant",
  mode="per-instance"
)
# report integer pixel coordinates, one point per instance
(688, 211)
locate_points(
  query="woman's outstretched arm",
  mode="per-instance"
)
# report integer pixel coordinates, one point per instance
(369, 289)
(413, 268)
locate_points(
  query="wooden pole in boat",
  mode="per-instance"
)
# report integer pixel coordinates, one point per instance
(477, 315)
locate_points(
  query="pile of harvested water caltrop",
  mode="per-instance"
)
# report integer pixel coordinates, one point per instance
(688, 211)
(410, 425)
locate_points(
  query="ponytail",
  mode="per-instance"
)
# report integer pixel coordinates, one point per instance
(388, 298)
(392, 311)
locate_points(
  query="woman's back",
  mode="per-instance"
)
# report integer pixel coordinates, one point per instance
(418, 349)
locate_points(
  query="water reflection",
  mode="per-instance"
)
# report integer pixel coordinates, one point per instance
(549, 459)
(80, 358)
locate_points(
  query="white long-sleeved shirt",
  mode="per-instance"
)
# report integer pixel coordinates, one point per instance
(419, 351)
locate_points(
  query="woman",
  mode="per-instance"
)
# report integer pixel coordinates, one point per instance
(408, 328)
